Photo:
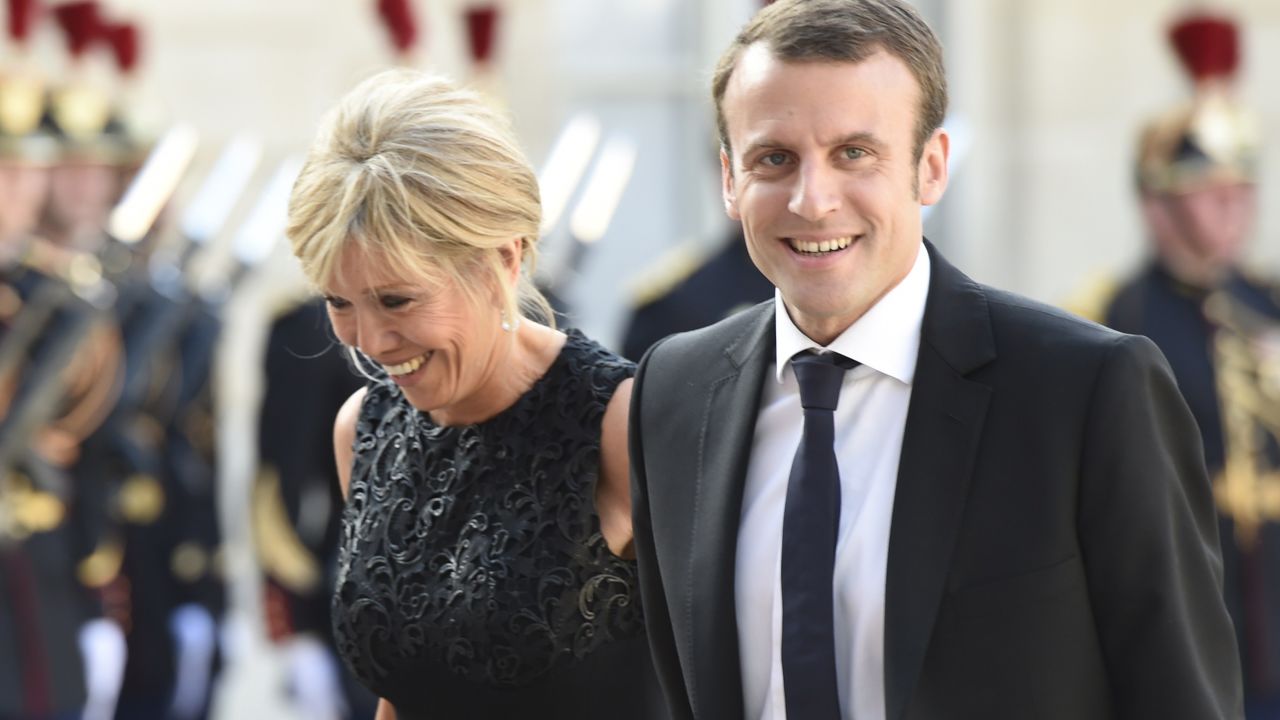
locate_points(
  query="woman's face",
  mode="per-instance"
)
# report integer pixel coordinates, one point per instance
(442, 348)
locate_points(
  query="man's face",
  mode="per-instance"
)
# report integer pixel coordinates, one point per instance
(1200, 233)
(23, 188)
(81, 195)
(824, 179)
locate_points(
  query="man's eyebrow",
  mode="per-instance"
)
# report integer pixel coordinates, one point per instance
(761, 144)
(856, 138)
(860, 137)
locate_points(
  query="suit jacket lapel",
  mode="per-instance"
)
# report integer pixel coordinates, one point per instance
(944, 426)
(727, 428)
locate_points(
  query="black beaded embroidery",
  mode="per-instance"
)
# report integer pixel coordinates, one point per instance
(477, 548)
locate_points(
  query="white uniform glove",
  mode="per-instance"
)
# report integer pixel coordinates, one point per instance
(103, 648)
(235, 638)
(313, 679)
(195, 637)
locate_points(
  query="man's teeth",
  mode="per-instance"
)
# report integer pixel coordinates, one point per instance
(820, 246)
(406, 367)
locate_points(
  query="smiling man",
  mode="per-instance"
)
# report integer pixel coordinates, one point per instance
(893, 492)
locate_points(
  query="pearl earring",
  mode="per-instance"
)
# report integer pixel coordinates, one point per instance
(507, 324)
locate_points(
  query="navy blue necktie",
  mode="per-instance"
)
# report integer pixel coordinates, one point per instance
(810, 525)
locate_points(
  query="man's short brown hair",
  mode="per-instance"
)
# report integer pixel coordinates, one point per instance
(844, 31)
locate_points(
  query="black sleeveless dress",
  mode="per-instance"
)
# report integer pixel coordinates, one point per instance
(473, 580)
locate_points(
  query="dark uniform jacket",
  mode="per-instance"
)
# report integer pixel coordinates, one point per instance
(297, 505)
(727, 282)
(52, 520)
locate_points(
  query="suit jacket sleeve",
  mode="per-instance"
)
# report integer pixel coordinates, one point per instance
(657, 616)
(1148, 532)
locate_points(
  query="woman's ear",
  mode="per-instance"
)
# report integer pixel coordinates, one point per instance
(512, 256)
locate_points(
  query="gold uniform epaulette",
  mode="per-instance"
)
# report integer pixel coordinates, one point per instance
(281, 553)
(1091, 300)
(671, 269)
(1262, 278)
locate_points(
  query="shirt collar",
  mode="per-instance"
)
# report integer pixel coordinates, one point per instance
(886, 338)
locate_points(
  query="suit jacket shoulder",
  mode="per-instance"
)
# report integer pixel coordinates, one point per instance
(730, 335)
(1010, 306)
(702, 355)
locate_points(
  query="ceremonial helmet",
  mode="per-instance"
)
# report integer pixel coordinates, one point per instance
(1212, 139)
(22, 95)
(80, 111)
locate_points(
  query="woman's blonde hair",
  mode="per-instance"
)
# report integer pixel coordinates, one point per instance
(425, 176)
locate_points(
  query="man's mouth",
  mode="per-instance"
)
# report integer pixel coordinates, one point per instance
(820, 247)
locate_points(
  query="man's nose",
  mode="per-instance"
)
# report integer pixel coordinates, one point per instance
(816, 192)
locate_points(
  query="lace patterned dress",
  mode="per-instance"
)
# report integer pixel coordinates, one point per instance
(473, 581)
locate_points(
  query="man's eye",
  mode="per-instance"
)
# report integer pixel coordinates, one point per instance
(774, 159)
(854, 153)
(336, 303)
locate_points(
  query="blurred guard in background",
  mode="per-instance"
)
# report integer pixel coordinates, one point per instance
(58, 654)
(686, 292)
(157, 566)
(86, 180)
(85, 183)
(178, 361)
(691, 287)
(297, 507)
(1218, 326)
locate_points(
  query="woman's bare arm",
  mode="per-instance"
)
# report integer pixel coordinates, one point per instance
(613, 493)
(385, 711)
(344, 436)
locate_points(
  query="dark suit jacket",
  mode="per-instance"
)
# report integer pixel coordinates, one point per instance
(1053, 552)
(1155, 304)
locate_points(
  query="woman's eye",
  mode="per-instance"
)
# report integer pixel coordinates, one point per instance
(391, 302)
(336, 303)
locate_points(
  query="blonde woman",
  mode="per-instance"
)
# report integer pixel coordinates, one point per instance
(485, 568)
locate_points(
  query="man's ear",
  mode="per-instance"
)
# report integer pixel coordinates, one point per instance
(1160, 217)
(726, 188)
(932, 171)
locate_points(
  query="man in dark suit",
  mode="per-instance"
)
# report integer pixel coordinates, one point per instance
(1000, 512)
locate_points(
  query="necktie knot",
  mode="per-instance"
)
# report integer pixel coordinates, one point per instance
(820, 377)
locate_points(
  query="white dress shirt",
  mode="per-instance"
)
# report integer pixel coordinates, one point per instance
(869, 424)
